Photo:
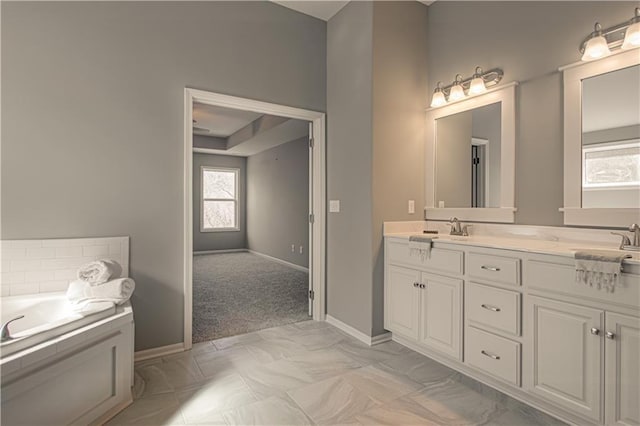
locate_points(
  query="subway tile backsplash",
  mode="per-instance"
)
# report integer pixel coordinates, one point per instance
(41, 266)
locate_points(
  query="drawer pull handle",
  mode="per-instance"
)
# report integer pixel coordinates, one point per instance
(492, 356)
(490, 308)
(490, 268)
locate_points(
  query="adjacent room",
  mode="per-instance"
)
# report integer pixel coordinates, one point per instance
(250, 222)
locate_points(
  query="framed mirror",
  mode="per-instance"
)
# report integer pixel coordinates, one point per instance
(470, 158)
(602, 142)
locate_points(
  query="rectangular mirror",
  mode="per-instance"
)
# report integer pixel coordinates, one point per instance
(611, 139)
(602, 141)
(470, 158)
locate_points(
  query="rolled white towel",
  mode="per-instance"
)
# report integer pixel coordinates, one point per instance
(98, 271)
(117, 291)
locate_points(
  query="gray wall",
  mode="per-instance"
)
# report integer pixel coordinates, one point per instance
(105, 83)
(349, 164)
(400, 96)
(529, 41)
(203, 241)
(376, 95)
(278, 201)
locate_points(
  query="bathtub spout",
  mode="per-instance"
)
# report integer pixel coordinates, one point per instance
(5, 334)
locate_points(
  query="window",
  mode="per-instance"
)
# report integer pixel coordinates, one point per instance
(611, 165)
(219, 207)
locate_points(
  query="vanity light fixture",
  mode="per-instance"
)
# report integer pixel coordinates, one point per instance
(601, 41)
(474, 85)
(477, 83)
(457, 92)
(438, 98)
(632, 35)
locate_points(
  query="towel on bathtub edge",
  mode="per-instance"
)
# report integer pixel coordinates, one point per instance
(117, 291)
(99, 271)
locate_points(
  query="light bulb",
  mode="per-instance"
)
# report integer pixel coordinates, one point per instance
(632, 37)
(457, 93)
(438, 99)
(477, 86)
(597, 46)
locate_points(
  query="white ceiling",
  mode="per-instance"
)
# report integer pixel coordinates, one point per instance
(220, 122)
(321, 9)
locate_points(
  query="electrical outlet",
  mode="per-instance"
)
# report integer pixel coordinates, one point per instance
(301, 250)
(293, 248)
(412, 206)
(441, 204)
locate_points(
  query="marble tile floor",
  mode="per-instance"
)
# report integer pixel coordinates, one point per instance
(311, 373)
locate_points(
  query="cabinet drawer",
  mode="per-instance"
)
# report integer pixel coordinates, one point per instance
(440, 260)
(495, 355)
(499, 269)
(493, 307)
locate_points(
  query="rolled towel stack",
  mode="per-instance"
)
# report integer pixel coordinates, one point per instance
(116, 291)
(98, 272)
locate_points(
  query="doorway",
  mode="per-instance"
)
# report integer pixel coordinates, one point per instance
(316, 175)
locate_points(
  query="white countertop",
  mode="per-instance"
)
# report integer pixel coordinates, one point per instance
(557, 248)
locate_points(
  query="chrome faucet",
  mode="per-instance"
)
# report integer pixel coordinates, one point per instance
(5, 334)
(458, 228)
(626, 243)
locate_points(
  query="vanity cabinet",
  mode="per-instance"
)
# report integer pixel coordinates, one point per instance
(526, 327)
(421, 304)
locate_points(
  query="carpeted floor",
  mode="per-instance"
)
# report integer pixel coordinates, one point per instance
(235, 293)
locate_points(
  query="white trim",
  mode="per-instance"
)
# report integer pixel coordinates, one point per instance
(368, 340)
(284, 262)
(506, 95)
(500, 215)
(199, 253)
(573, 75)
(157, 352)
(318, 184)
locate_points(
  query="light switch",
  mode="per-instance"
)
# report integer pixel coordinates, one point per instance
(412, 206)
(334, 206)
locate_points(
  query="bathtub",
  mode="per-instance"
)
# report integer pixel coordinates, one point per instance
(65, 366)
(46, 315)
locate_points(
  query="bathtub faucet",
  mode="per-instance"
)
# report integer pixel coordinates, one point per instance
(5, 334)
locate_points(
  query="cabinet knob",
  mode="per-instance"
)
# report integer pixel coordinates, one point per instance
(423, 286)
(610, 335)
(595, 331)
(416, 285)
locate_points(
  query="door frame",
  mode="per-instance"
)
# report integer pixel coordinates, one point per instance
(317, 202)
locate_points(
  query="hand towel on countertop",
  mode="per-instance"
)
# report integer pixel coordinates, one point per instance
(599, 268)
(117, 291)
(420, 246)
(99, 271)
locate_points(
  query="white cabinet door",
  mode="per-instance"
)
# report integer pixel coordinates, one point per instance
(441, 314)
(622, 370)
(402, 301)
(565, 358)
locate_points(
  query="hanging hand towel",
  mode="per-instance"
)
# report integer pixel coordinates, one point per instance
(600, 269)
(420, 246)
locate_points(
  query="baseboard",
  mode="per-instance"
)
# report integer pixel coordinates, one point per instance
(198, 253)
(156, 352)
(368, 340)
(284, 262)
